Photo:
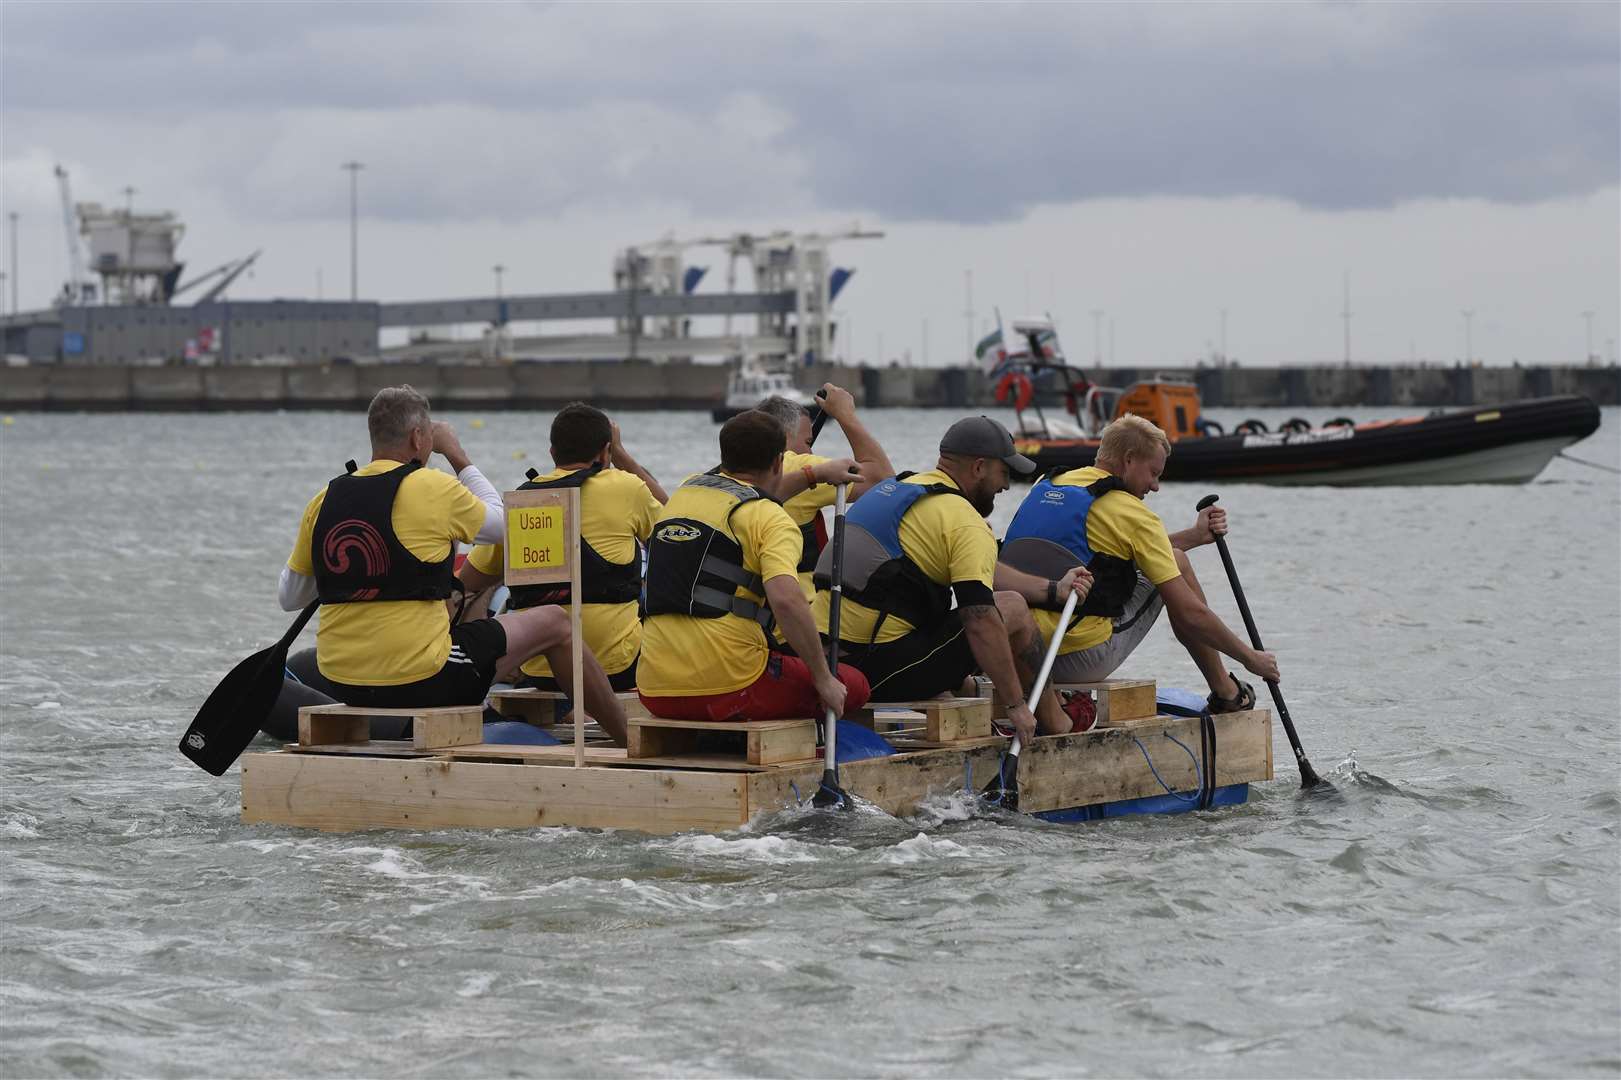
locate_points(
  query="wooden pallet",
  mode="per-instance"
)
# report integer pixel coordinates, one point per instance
(1120, 701)
(320, 725)
(545, 708)
(758, 742)
(945, 720)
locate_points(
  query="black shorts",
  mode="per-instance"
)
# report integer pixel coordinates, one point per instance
(619, 680)
(928, 661)
(475, 648)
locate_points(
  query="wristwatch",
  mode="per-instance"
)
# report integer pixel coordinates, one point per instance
(1052, 593)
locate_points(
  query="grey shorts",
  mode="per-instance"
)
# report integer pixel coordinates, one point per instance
(1101, 660)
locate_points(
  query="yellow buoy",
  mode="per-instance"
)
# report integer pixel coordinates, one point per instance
(7, 421)
(477, 425)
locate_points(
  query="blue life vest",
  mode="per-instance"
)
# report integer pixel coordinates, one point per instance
(877, 573)
(1048, 538)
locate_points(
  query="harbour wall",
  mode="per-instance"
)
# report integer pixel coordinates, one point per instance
(645, 385)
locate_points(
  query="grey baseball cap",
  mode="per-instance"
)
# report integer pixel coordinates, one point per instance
(980, 436)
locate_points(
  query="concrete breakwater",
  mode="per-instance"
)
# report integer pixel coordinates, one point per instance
(645, 385)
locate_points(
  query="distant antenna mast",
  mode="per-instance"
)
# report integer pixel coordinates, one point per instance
(968, 311)
(1346, 315)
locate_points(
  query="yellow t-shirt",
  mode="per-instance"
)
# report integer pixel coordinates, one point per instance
(391, 642)
(1122, 525)
(616, 510)
(805, 507)
(947, 539)
(688, 656)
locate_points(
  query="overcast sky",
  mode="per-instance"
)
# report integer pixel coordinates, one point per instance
(1155, 163)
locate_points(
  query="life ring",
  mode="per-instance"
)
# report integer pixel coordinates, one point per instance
(1294, 424)
(1251, 427)
(1210, 429)
(1016, 384)
(1339, 421)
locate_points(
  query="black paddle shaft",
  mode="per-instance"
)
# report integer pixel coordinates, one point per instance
(1308, 775)
(818, 417)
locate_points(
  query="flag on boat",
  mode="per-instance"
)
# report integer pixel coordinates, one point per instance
(1046, 344)
(990, 353)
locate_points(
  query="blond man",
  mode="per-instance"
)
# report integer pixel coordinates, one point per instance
(1096, 516)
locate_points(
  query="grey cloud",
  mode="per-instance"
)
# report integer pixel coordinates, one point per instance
(957, 113)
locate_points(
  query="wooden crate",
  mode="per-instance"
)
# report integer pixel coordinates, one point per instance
(322, 725)
(760, 742)
(1120, 700)
(945, 720)
(545, 708)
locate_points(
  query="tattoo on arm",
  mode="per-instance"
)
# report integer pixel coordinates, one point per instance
(979, 611)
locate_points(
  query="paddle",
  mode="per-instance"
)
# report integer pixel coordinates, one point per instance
(830, 794)
(818, 417)
(231, 716)
(1308, 775)
(1004, 789)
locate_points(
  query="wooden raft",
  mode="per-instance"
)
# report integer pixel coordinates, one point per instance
(339, 787)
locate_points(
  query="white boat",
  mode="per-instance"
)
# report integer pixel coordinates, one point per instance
(752, 383)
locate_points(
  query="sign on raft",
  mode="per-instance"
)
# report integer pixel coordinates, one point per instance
(541, 538)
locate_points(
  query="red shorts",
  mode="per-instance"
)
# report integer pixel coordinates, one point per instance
(784, 691)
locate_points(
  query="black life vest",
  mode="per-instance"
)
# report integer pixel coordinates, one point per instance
(694, 568)
(602, 581)
(354, 550)
(812, 539)
(1048, 538)
(877, 572)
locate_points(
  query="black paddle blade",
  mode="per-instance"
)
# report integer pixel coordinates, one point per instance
(1003, 790)
(231, 716)
(828, 796)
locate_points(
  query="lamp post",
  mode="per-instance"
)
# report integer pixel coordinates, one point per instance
(1468, 336)
(499, 270)
(1587, 357)
(354, 168)
(14, 307)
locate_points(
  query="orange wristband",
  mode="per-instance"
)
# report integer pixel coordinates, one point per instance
(810, 477)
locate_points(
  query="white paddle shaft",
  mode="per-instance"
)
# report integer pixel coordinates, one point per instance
(1047, 662)
(830, 736)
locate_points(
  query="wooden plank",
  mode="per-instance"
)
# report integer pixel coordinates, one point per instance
(539, 707)
(895, 784)
(945, 719)
(773, 746)
(436, 728)
(760, 742)
(1062, 771)
(318, 726)
(337, 793)
(540, 755)
(1119, 699)
(957, 718)
(718, 725)
(377, 748)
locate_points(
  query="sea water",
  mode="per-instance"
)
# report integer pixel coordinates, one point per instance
(1451, 658)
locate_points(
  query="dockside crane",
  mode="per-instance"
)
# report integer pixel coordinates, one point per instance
(77, 290)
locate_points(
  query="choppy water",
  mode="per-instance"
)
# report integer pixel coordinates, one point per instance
(1452, 657)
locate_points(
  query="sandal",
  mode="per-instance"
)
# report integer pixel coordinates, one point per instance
(1244, 701)
(1078, 706)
